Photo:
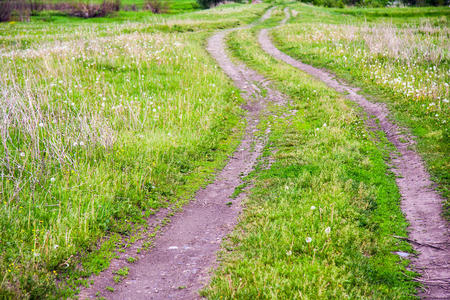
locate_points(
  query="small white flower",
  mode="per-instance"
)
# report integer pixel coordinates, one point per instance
(154, 110)
(55, 247)
(36, 254)
(308, 240)
(327, 230)
(41, 124)
(75, 144)
(313, 207)
(52, 179)
(22, 154)
(81, 144)
(324, 124)
(289, 253)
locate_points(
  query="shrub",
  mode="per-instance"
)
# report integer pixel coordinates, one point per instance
(14, 10)
(93, 10)
(5, 10)
(208, 3)
(35, 6)
(129, 7)
(157, 6)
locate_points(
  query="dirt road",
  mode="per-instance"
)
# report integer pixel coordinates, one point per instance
(185, 250)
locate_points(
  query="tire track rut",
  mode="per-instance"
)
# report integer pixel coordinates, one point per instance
(421, 204)
(184, 251)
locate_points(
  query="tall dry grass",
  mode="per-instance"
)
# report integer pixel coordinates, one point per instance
(420, 43)
(423, 42)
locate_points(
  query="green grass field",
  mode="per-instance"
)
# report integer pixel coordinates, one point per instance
(107, 120)
(92, 144)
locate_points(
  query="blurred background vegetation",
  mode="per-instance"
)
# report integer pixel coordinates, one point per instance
(21, 10)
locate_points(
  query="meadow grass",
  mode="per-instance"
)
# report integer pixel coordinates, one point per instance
(104, 123)
(399, 56)
(319, 222)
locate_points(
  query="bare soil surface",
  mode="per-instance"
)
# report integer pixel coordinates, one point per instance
(179, 263)
(422, 205)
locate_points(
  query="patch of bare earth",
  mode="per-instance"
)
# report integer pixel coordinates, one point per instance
(422, 205)
(184, 252)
